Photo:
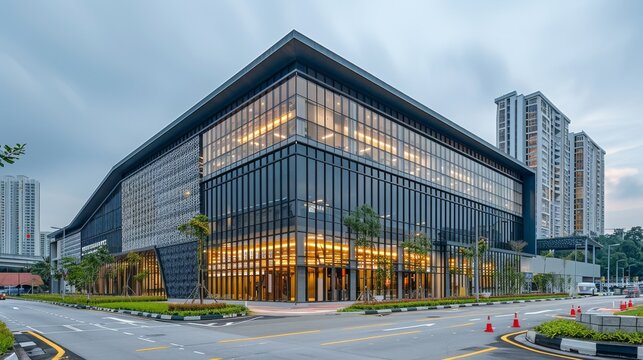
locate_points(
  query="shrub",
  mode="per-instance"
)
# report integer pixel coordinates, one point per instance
(6, 338)
(570, 328)
(163, 308)
(184, 307)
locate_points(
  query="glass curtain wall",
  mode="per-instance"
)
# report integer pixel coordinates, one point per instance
(125, 277)
(277, 215)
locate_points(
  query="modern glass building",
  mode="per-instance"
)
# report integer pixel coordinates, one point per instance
(280, 154)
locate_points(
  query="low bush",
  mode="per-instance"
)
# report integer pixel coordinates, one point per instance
(94, 299)
(572, 329)
(444, 301)
(183, 307)
(6, 338)
(163, 308)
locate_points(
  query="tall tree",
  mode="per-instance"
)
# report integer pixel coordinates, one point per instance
(365, 225)
(198, 228)
(9, 154)
(418, 248)
(43, 269)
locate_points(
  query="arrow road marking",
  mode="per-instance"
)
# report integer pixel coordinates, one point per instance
(409, 327)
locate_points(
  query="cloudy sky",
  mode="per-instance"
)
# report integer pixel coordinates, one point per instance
(85, 83)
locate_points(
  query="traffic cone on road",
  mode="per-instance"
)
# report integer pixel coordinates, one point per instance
(572, 312)
(622, 306)
(629, 304)
(578, 311)
(516, 324)
(489, 328)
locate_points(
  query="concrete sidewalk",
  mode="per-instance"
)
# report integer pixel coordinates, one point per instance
(284, 308)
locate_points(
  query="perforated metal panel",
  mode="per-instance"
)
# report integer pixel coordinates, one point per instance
(160, 197)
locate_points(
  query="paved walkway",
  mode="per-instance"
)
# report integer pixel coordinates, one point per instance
(286, 308)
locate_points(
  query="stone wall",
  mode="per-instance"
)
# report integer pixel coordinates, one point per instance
(611, 323)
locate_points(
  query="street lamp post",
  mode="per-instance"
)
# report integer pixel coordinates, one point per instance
(609, 248)
(58, 255)
(575, 262)
(618, 261)
(629, 274)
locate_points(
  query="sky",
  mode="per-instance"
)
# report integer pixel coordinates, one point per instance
(83, 84)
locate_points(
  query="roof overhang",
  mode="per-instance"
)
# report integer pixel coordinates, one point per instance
(294, 47)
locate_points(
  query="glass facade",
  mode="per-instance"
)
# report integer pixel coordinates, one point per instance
(126, 278)
(283, 171)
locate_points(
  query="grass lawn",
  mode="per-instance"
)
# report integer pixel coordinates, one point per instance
(637, 311)
(447, 301)
(93, 300)
(162, 308)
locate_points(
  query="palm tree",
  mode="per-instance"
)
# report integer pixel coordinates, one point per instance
(365, 224)
(198, 228)
(418, 247)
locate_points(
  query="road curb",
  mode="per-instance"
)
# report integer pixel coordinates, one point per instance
(585, 347)
(144, 314)
(453, 306)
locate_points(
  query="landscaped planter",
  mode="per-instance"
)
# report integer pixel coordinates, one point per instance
(611, 323)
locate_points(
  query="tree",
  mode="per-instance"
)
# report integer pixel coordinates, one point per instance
(90, 266)
(365, 224)
(470, 252)
(418, 248)
(9, 154)
(384, 273)
(43, 269)
(68, 272)
(132, 261)
(198, 228)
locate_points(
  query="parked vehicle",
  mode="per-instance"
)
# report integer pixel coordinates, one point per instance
(632, 291)
(3, 296)
(586, 288)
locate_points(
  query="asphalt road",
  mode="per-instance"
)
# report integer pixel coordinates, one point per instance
(434, 334)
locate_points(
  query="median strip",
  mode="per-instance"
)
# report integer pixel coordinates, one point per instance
(368, 338)
(270, 336)
(59, 351)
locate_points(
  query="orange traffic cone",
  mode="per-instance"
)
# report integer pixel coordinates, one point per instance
(578, 311)
(622, 306)
(629, 305)
(489, 328)
(516, 324)
(572, 312)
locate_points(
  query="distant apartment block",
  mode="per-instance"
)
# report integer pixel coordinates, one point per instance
(588, 179)
(20, 216)
(532, 129)
(44, 243)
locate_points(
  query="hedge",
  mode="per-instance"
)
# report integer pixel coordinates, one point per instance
(444, 301)
(6, 339)
(572, 329)
(163, 308)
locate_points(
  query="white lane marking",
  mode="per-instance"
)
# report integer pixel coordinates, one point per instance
(476, 319)
(36, 330)
(173, 344)
(72, 328)
(148, 340)
(505, 315)
(409, 327)
(198, 352)
(15, 308)
(122, 320)
(541, 312)
(104, 327)
(127, 333)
